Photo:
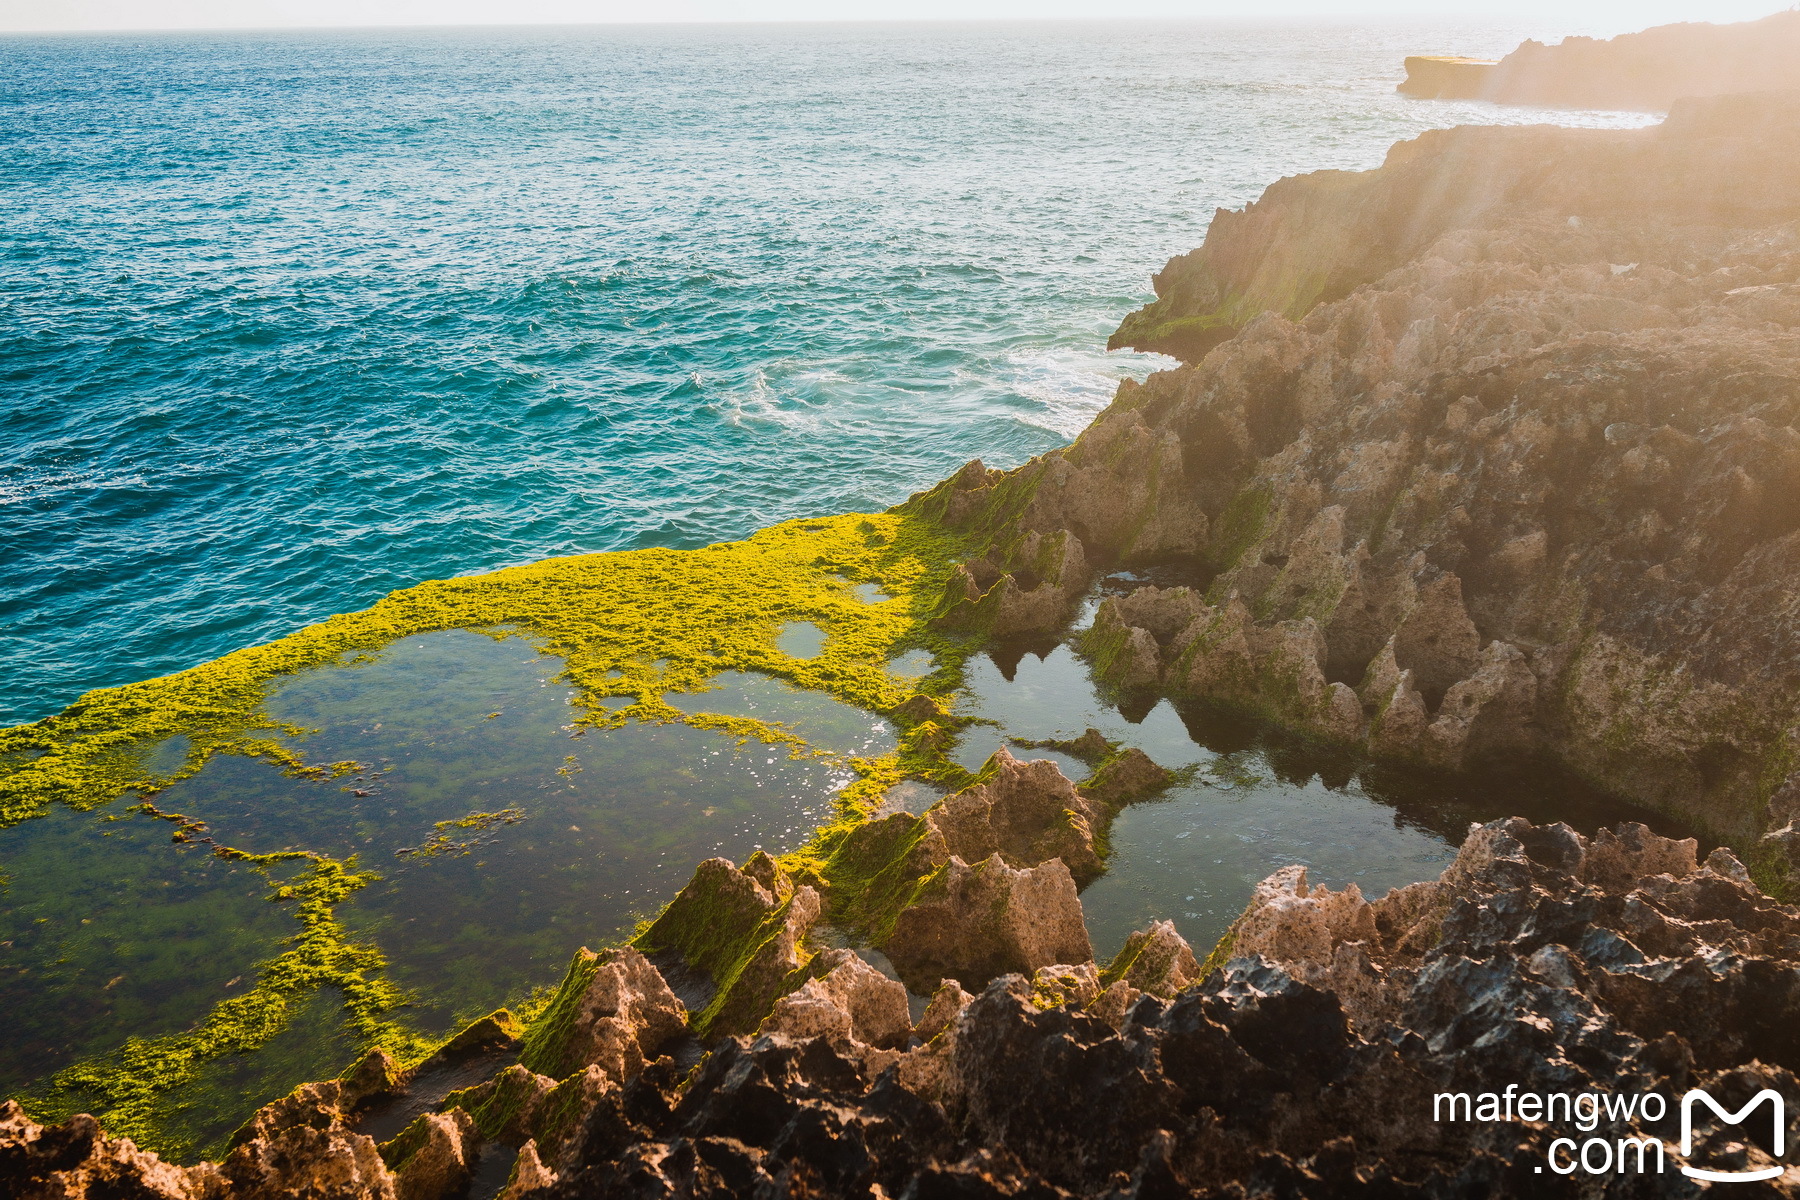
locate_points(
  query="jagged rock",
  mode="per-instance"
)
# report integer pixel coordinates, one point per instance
(434, 1157)
(1126, 776)
(1091, 747)
(1156, 960)
(621, 1016)
(747, 932)
(1056, 567)
(1558, 964)
(559, 1119)
(850, 1002)
(1027, 813)
(1123, 654)
(528, 1174)
(374, 1075)
(946, 1005)
(1077, 985)
(919, 708)
(505, 1107)
(304, 1163)
(499, 1030)
(77, 1161)
(974, 922)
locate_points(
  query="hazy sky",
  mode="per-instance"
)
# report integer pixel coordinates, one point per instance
(1589, 15)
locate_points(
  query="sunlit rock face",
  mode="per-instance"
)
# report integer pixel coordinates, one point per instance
(1650, 70)
(1531, 487)
(1311, 239)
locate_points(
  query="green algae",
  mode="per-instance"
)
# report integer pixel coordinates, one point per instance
(445, 838)
(134, 1090)
(640, 623)
(634, 626)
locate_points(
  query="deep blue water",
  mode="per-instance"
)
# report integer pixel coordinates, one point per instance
(288, 320)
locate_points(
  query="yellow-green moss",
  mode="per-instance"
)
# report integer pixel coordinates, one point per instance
(445, 842)
(639, 625)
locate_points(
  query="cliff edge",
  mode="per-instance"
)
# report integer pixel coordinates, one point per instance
(1647, 71)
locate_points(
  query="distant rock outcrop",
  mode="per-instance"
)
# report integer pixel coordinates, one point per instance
(1730, 161)
(1647, 71)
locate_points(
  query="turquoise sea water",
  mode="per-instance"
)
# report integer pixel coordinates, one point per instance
(288, 320)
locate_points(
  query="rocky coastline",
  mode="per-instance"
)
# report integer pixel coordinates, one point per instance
(1488, 454)
(1483, 453)
(1308, 1059)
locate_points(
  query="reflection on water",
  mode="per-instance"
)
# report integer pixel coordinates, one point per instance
(504, 836)
(1260, 800)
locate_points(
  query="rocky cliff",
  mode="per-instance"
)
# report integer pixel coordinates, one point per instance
(1311, 1061)
(1529, 486)
(1311, 239)
(1651, 70)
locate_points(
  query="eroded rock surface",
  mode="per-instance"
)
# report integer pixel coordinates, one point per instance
(1539, 958)
(1514, 471)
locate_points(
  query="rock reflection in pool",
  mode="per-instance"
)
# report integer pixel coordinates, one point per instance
(1260, 800)
(613, 821)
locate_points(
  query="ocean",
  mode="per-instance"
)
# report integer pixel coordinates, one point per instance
(289, 320)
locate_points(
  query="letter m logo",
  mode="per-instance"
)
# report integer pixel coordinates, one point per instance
(1779, 1115)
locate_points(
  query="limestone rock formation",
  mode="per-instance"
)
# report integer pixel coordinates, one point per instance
(76, 1159)
(1513, 472)
(434, 1157)
(1026, 812)
(1619, 965)
(622, 1017)
(747, 929)
(1725, 162)
(984, 881)
(850, 1000)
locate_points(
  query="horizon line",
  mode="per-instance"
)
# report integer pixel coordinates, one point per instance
(1322, 15)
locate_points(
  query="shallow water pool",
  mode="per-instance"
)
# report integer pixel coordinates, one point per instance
(1259, 800)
